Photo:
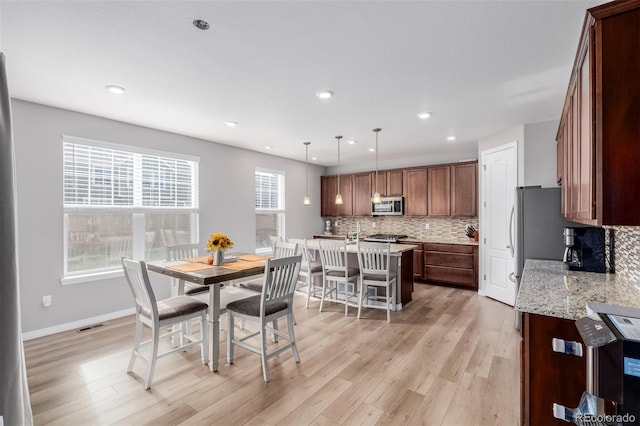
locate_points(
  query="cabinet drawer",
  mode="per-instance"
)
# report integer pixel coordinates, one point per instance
(449, 275)
(456, 260)
(451, 248)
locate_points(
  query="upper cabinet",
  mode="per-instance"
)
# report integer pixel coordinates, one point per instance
(599, 133)
(464, 189)
(414, 182)
(362, 194)
(438, 190)
(328, 190)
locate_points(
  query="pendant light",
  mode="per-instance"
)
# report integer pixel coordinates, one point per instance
(338, 196)
(376, 195)
(307, 200)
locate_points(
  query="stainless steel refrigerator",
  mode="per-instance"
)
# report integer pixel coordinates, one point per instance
(538, 224)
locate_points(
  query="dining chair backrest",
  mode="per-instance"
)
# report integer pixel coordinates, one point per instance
(137, 277)
(182, 251)
(280, 280)
(333, 255)
(282, 249)
(303, 249)
(374, 258)
(273, 239)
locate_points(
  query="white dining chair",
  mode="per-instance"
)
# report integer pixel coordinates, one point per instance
(185, 251)
(280, 249)
(158, 315)
(274, 302)
(310, 270)
(374, 260)
(336, 272)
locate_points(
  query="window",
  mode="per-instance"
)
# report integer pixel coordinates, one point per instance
(269, 208)
(124, 201)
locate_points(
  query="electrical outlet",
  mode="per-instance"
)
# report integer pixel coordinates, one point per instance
(373, 224)
(46, 301)
(426, 226)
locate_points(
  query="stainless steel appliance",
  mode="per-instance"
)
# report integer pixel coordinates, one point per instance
(385, 238)
(388, 206)
(538, 226)
(585, 249)
(612, 337)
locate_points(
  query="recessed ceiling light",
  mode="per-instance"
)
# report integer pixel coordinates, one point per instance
(314, 158)
(424, 115)
(201, 24)
(268, 147)
(371, 149)
(352, 142)
(231, 123)
(118, 90)
(324, 94)
(451, 138)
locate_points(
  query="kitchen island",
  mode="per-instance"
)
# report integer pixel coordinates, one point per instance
(550, 300)
(402, 263)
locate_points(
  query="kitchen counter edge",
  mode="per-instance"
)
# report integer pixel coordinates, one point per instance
(548, 288)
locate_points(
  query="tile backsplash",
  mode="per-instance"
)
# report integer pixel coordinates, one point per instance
(444, 229)
(627, 252)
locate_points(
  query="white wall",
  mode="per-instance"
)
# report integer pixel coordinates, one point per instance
(226, 205)
(540, 153)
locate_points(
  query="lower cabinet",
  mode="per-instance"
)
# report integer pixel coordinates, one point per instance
(546, 376)
(451, 264)
(418, 265)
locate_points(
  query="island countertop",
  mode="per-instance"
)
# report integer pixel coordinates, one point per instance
(548, 288)
(351, 248)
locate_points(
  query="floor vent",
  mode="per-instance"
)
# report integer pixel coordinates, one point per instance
(89, 327)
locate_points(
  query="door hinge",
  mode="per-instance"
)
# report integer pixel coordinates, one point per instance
(484, 167)
(484, 277)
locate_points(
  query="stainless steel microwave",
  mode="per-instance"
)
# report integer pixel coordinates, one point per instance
(388, 206)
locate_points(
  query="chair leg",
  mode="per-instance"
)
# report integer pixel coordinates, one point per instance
(136, 344)
(155, 340)
(306, 305)
(274, 338)
(324, 292)
(263, 351)
(389, 298)
(363, 290)
(230, 338)
(292, 337)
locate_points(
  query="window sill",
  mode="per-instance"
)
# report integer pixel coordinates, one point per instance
(84, 278)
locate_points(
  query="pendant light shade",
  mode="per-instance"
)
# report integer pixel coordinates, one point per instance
(338, 195)
(376, 195)
(307, 199)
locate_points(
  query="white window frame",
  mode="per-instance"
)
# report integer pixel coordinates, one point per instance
(137, 210)
(280, 212)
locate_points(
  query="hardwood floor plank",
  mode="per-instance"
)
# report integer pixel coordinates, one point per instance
(449, 357)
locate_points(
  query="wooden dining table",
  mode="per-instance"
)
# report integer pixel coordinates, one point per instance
(197, 270)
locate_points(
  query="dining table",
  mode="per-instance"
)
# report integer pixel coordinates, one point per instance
(197, 270)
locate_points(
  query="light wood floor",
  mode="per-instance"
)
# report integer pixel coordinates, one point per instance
(450, 357)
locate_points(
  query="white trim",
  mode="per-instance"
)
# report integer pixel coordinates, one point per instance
(96, 276)
(128, 148)
(76, 324)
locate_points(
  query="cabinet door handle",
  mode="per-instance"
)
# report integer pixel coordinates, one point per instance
(510, 246)
(566, 347)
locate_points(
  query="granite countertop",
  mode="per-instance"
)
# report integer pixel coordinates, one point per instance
(351, 248)
(413, 240)
(548, 288)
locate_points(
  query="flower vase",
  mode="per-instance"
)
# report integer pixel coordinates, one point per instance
(218, 257)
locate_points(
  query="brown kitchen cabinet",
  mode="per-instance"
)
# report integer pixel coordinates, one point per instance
(414, 182)
(548, 377)
(362, 187)
(464, 189)
(389, 183)
(328, 188)
(417, 259)
(600, 123)
(451, 264)
(439, 191)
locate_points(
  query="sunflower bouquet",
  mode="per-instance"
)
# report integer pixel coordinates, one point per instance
(219, 241)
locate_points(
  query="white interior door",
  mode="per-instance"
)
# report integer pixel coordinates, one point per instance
(499, 179)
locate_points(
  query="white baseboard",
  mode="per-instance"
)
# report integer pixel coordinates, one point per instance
(76, 324)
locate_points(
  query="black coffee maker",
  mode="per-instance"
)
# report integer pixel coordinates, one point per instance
(585, 249)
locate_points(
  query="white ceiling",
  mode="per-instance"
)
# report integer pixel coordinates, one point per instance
(479, 66)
